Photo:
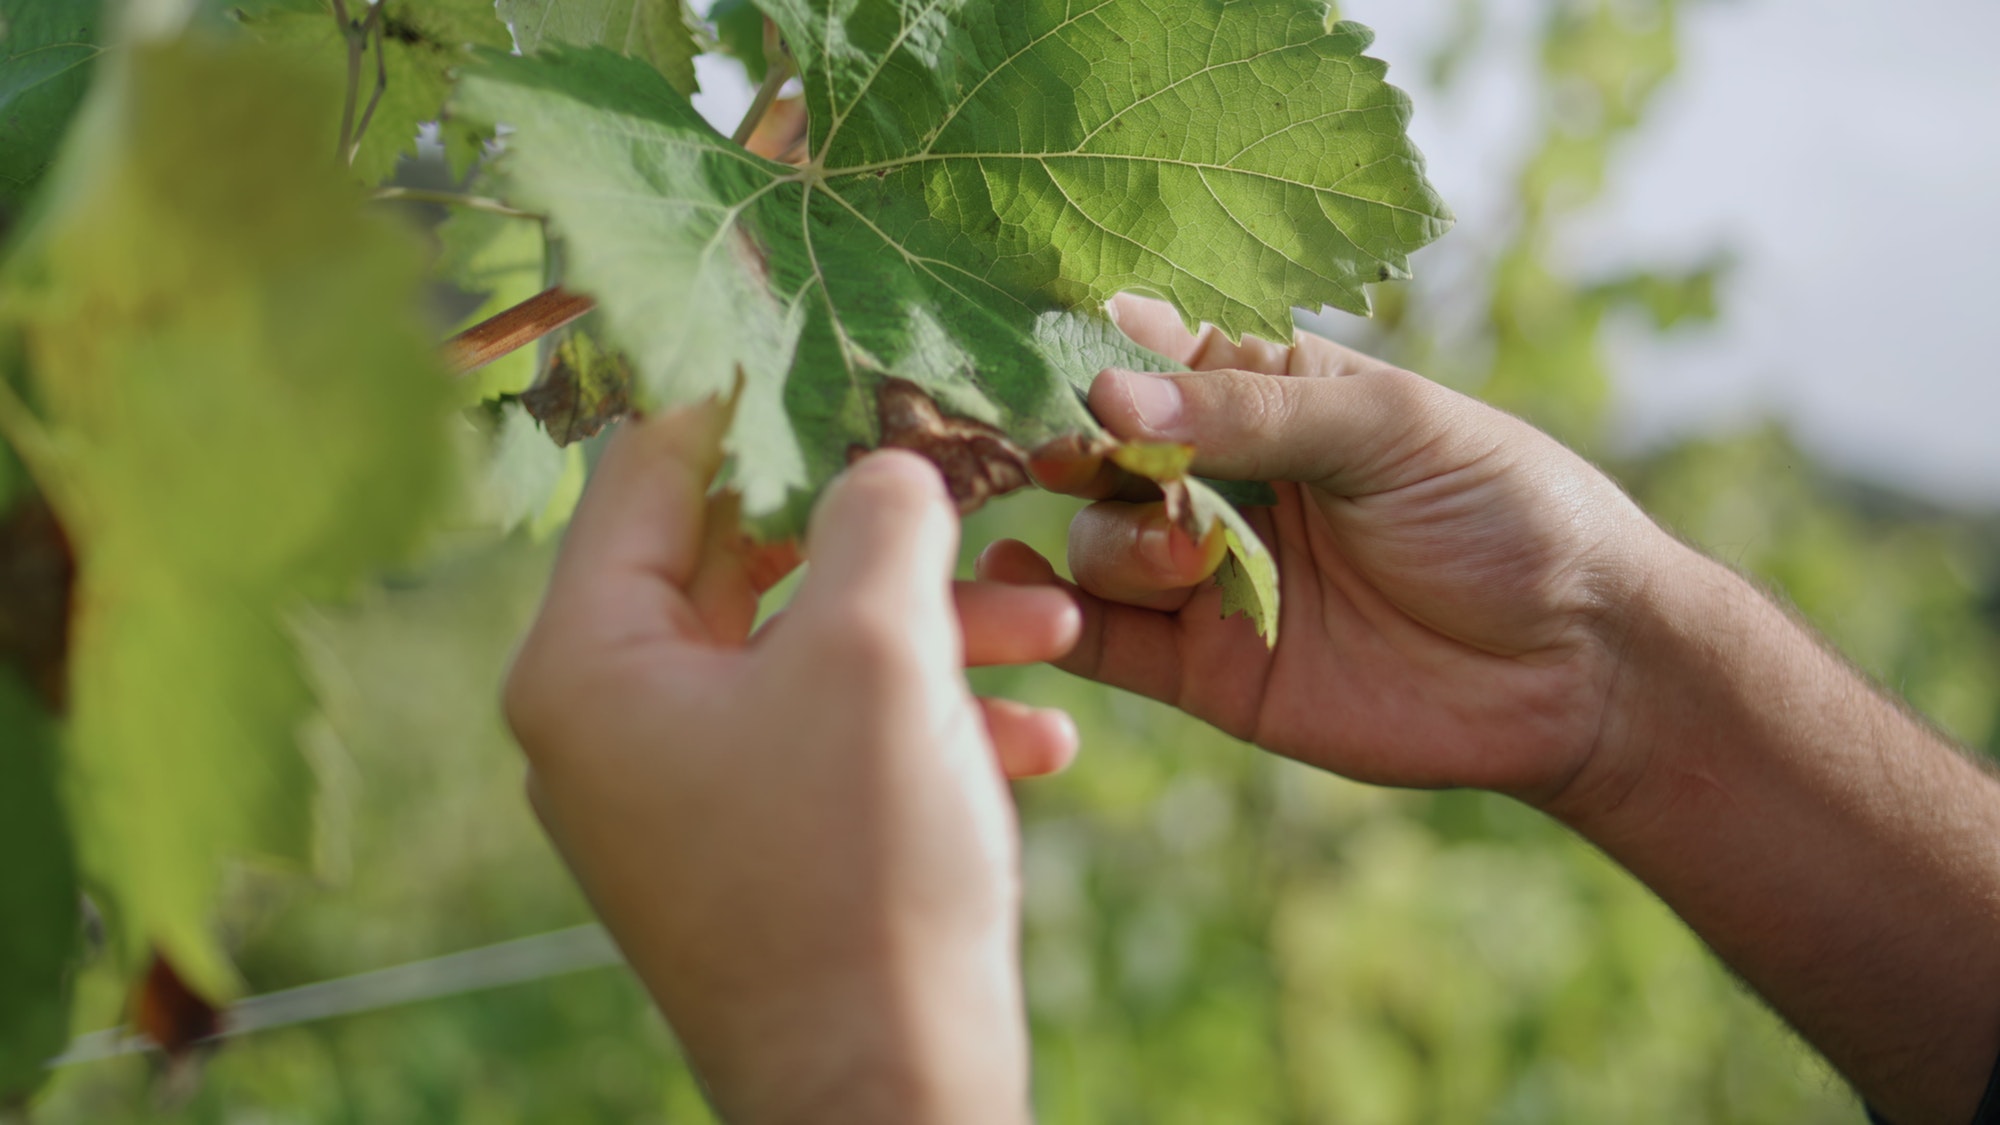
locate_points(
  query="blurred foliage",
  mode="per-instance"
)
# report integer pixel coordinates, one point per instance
(1212, 934)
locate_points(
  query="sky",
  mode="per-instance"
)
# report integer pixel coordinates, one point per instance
(1848, 153)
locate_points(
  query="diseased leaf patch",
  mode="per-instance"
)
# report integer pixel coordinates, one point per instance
(977, 460)
(583, 389)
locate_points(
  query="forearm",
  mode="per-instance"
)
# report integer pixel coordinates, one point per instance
(1832, 849)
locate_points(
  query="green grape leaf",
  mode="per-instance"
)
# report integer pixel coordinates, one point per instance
(39, 943)
(983, 176)
(47, 52)
(42, 938)
(739, 33)
(502, 259)
(424, 42)
(244, 411)
(523, 480)
(657, 31)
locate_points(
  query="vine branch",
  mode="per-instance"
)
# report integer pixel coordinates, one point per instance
(509, 331)
(775, 76)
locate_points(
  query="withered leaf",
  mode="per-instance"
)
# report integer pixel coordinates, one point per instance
(585, 388)
(977, 460)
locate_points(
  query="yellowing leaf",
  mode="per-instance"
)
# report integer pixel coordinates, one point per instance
(247, 414)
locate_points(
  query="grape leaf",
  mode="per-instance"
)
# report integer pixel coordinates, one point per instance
(41, 938)
(523, 480)
(424, 40)
(739, 33)
(657, 31)
(984, 175)
(47, 52)
(244, 411)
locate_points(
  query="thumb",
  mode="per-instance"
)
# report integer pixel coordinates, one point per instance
(1355, 434)
(881, 553)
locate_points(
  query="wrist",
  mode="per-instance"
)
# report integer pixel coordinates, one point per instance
(1677, 612)
(903, 1042)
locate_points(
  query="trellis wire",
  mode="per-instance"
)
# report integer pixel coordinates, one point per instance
(520, 961)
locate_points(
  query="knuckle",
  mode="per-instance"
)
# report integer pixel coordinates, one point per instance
(861, 642)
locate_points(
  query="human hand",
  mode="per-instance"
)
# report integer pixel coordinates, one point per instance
(802, 840)
(1453, 580)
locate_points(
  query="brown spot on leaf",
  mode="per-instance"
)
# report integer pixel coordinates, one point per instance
(170, 1013)
(182, 1024)
(584, 389)
(37, 581)
(977, 460)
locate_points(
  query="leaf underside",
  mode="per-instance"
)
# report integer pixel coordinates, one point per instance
(983, 175)
(48, 49)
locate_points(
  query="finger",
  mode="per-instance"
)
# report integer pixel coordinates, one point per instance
(1015, 624)
(1076, 468)
(1368, 432)
(723, 590)
(883, 545)
(637, 538)
(1153, 324)
(1029, 741)
(1124, 646)
(1136, 555)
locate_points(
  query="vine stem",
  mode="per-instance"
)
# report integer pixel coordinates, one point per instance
(513, 329)
(775, 77)
(454, 199)
(357, 33)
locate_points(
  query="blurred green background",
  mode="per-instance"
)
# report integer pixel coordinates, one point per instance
(1211, 935)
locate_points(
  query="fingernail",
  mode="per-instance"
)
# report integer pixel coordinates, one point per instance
(1156, 401)
(1156, 542)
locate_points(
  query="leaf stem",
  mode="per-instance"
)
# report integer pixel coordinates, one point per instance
(356, 34)
(453, 199)
(509, 331)
(775, 77)
(375, 22)
(341, 17)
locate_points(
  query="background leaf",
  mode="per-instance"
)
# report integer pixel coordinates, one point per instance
(42, 937)
(249, 415)
(656, 31)
(739, 33)
(48, 49)
(500, 258)
(424, 39)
